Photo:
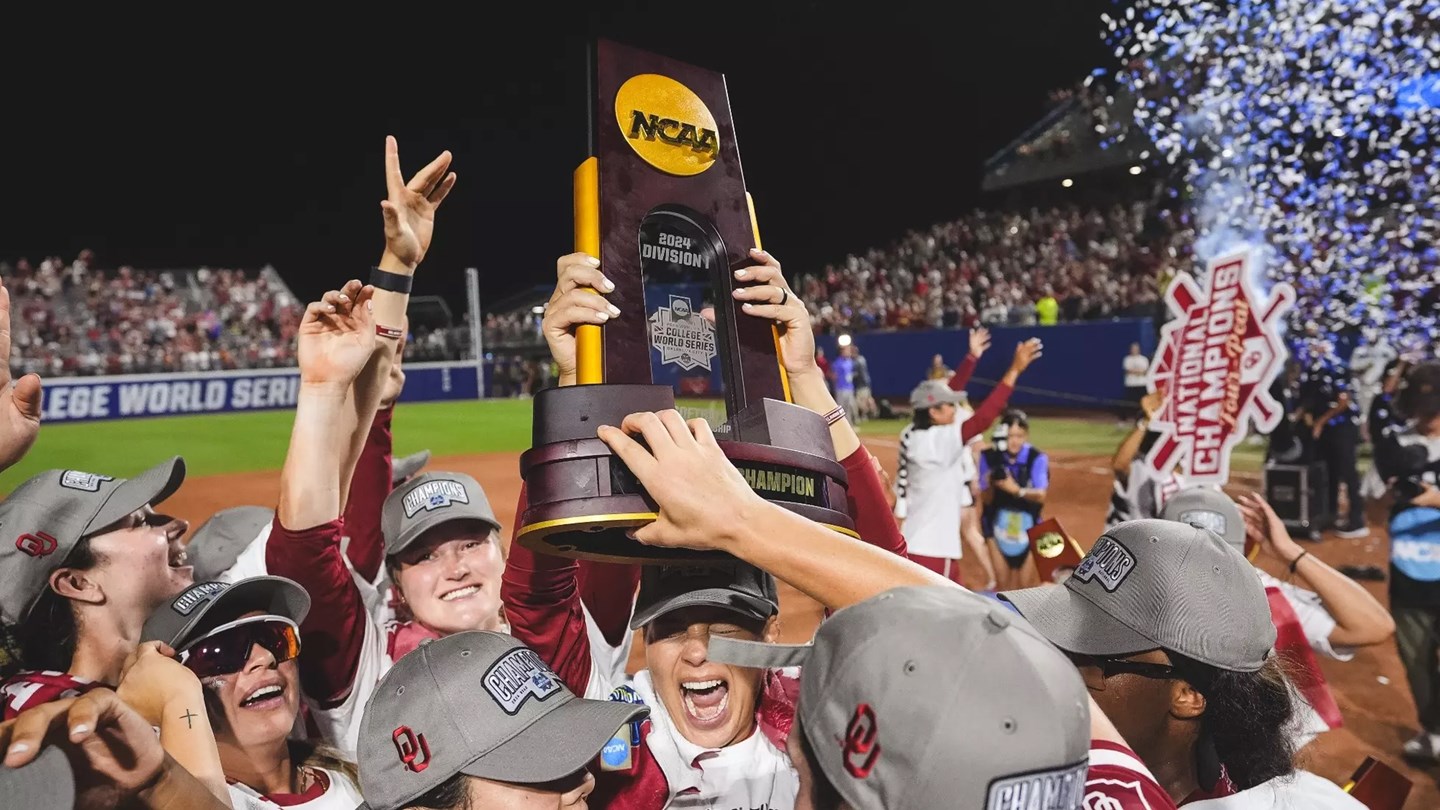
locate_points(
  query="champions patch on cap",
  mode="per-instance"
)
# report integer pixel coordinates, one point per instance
(518, 676)
(434, 495)
(1060, 789)
(186, 602)
(1205, 519)
(1108, 562)
(88, 482)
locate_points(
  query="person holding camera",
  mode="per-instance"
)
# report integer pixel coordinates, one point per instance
(1407, 455)
(1013, 478)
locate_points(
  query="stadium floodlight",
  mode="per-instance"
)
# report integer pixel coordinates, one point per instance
(844, 341)
(1067, 182)
(1135, 170)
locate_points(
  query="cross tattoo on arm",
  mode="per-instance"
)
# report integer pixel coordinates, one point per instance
(188, 718)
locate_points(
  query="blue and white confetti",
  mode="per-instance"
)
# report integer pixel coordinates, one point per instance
(1308, 127)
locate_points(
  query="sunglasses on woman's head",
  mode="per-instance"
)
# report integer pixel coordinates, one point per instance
(1111, 666)
(226, 649)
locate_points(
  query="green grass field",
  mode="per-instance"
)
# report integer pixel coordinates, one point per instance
(246, 442)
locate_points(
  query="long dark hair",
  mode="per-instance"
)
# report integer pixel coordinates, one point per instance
(823, 795)
(921, 420)
(1247, 718)
(47, 638)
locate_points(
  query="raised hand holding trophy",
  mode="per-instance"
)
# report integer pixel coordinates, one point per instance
(662, 203)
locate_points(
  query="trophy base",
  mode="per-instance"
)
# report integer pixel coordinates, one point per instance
(583, 501)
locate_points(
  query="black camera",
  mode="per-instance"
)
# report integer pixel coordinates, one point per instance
(1405, 464)
(998, 456)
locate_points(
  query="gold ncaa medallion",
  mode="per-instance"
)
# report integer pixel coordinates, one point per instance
(666, 124)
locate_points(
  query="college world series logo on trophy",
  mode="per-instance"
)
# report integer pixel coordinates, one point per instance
(662, 202)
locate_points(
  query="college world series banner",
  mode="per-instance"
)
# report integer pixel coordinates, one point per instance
(1216, 360)
(89, 399)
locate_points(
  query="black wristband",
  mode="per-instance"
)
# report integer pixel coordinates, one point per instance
(1297, 560)
(392, 282)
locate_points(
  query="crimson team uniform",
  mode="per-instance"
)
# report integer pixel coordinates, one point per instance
(542, 596)
(27, 690)
(1118, 780)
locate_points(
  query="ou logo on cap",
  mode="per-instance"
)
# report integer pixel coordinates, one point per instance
(861, 747)
(38, 544)
(414, 751)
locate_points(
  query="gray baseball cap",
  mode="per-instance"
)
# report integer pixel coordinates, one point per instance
(182, 619)
(930, 393)
(428, 501)
(737, 586)
(46, 783)
(480, 704)
(1151, 584)
(1208, 508)
(935, 697)
(219, 542)
(50, 513)
(407, 466)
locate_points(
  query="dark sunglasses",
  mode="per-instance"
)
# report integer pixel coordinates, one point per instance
(225, 649)
(1111, 666)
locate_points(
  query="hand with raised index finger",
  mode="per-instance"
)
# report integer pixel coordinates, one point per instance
(409, 208)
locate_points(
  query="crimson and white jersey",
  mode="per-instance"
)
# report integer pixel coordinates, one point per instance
(752, 773)
(1118, 780)
(330, 791)
(26, 690)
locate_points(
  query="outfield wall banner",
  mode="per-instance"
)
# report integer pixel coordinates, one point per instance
(134, 396)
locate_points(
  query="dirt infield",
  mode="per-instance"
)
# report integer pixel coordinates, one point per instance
(1371, 689)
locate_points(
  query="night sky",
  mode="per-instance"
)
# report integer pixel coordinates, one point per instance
(259, 139)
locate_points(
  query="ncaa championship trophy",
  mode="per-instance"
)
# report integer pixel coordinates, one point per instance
(662, 203)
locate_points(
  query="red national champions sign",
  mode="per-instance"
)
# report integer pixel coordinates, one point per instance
(1216, 361)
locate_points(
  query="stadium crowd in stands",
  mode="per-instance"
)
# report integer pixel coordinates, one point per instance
(76, 320)
(1007, 268)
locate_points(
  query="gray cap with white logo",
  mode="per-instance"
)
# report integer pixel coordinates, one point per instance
(182, 619)
(936, 697)
(480, 704)
(1153, 584)
(1208, 508)
(428, 501)
(52, 512)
